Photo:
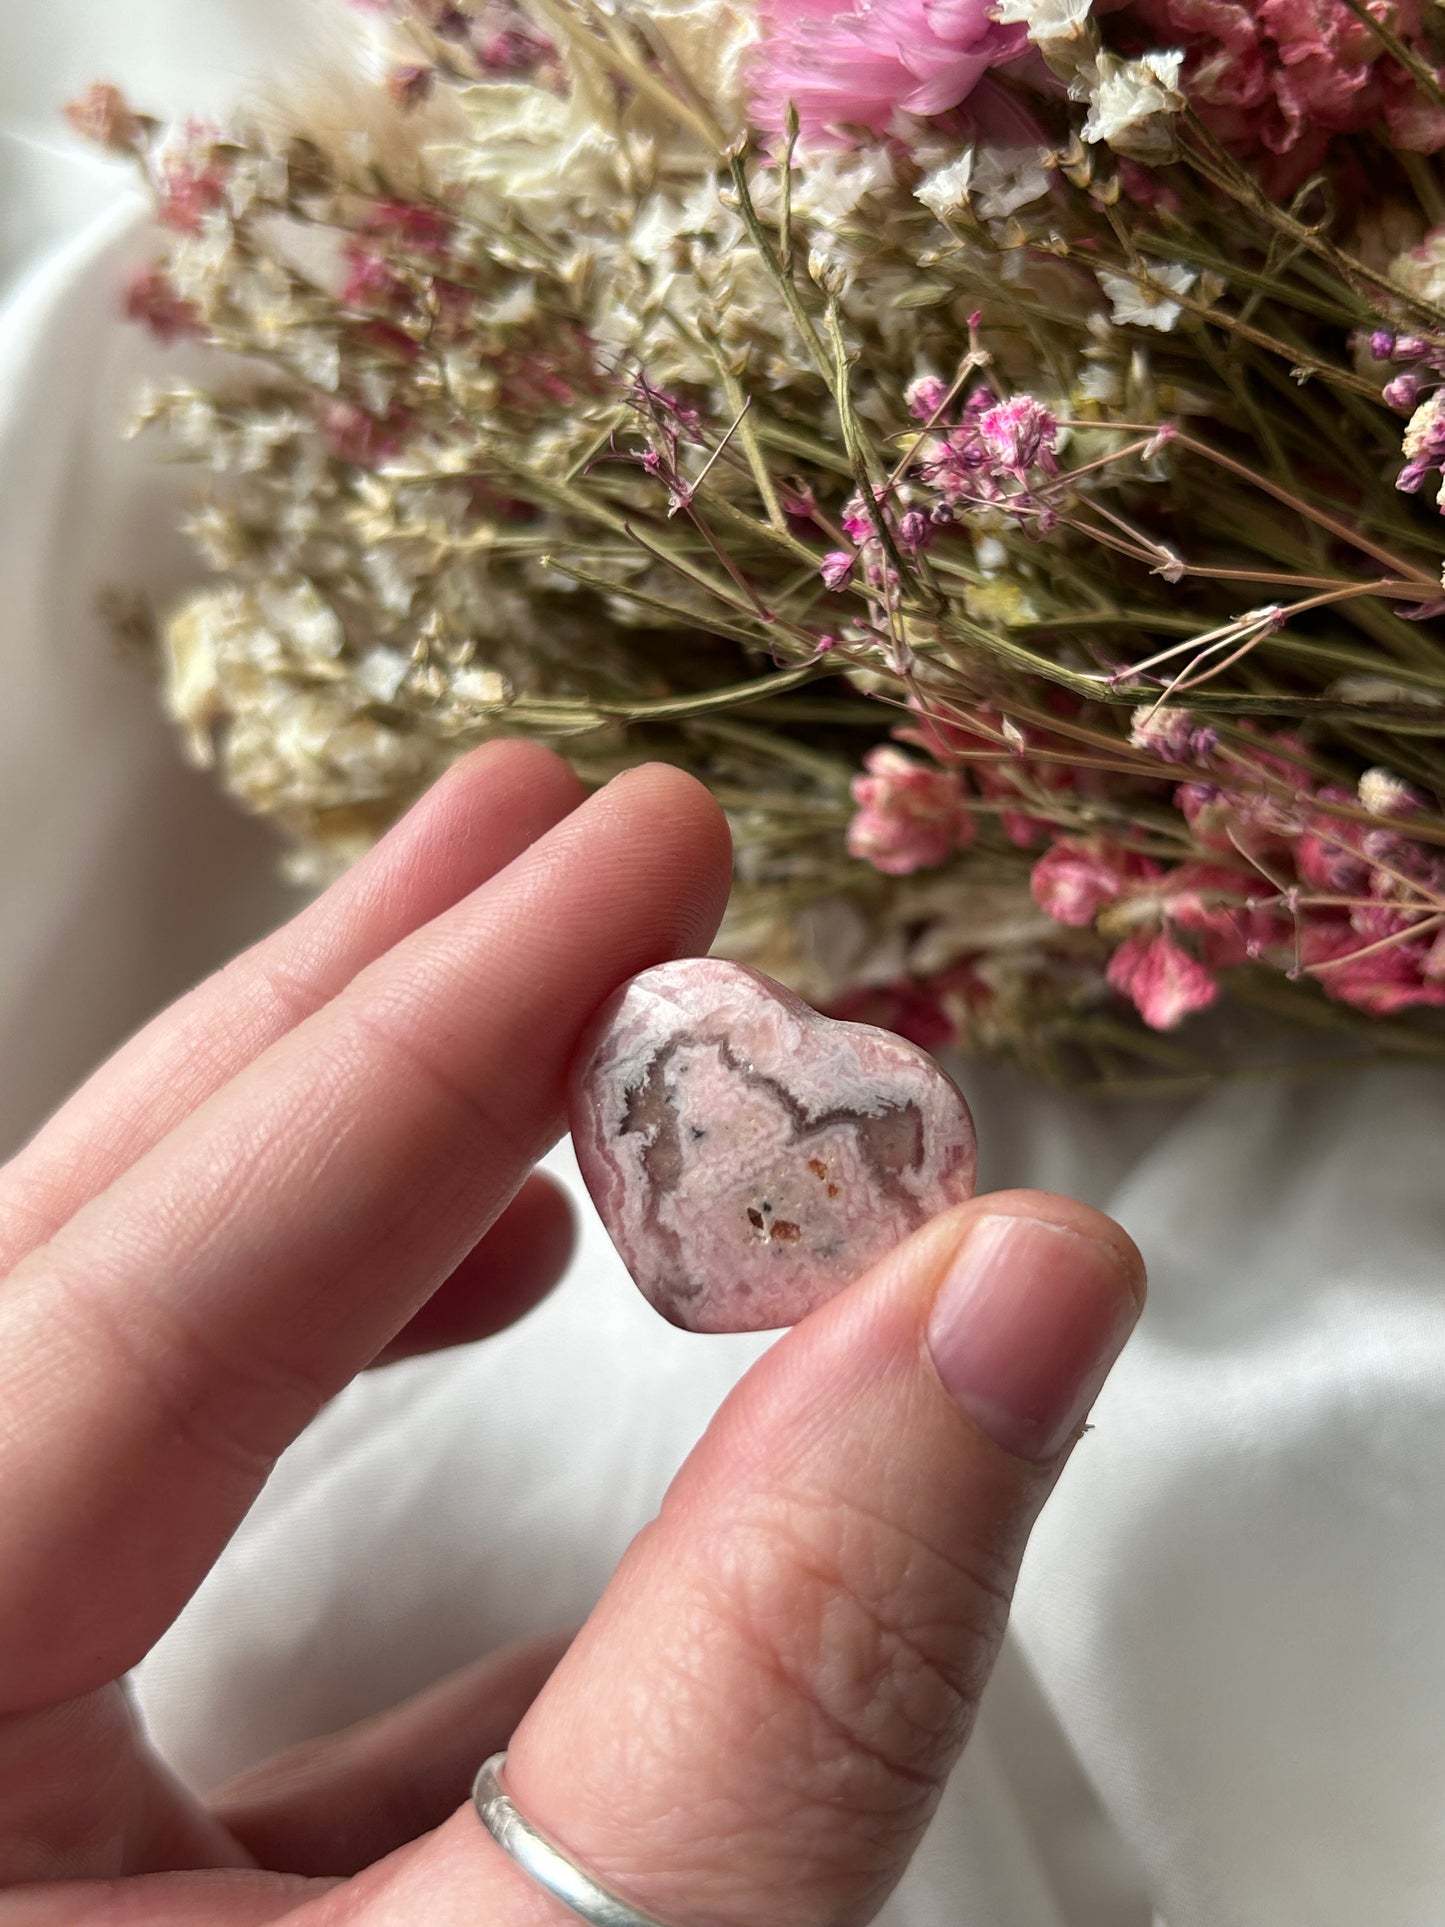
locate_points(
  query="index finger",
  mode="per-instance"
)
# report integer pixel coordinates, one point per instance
(482, 813)
(157, 1355)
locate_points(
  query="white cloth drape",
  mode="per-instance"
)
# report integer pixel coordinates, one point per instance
(1223, 1702)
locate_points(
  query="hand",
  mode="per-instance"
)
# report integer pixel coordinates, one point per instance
(318, 1161)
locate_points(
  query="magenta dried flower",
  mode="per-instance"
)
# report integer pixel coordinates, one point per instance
(1019, 434)
(915, 531)
(999, 454)
(925, 396)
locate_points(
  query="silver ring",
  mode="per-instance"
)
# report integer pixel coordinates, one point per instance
(544, 1860)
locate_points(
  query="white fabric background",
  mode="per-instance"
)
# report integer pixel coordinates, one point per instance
(1223, 1702)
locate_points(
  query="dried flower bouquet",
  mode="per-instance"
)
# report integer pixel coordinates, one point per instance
(994, 445)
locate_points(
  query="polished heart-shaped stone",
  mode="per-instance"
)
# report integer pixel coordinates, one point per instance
(750, 1157)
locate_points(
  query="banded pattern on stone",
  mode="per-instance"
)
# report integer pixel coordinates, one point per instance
(750, 1157)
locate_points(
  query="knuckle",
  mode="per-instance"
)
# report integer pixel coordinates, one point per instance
(380, 1032)
(881, 1641)
(231, 1407)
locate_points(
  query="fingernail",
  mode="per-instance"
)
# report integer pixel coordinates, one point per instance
(1027, 1322)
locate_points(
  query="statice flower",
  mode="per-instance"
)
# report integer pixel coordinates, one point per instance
(1132, 104)
(910, 816)
(857, 66)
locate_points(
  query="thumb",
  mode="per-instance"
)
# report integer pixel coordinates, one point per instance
(758, 1719)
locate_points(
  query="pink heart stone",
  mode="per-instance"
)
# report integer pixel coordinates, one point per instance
(749, 1157)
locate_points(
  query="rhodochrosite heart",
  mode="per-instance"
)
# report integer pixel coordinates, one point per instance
(750, 1157)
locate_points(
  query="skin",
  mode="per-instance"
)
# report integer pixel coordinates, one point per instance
(347, 1116)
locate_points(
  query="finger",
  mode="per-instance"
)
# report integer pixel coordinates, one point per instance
(487, 809)
(216, 1897)
(159, 1353)
(757, 1721)
(515, 1265)
(337, 1804)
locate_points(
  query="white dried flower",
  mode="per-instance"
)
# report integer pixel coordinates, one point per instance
(947, 188)
(1007, 178)
(315, 353)
(381, 672)
(1383, 793)
(1149, 305)
(1132, 105)
(827, 269)
(1045, 19)
(297, 613)
(482, 687)
(191, 643)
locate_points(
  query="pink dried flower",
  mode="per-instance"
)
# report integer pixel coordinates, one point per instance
(1276, 79)
(1263, 809)
(1073, 881)
(411, 224)
(1211, 903)
(353, 435)
(1384, 981)
(191, 180)
(859, 65)
(1019, 434)
(1424, 444)
(371, 280)
(925, 396)
(104, 115)
(1035, 762)
(1171, 734)
(1327, 855)
(409, 86)
(998, 455)
(1402, 392)
(836, 569)
(152, 300)
(858, 524)
(910, 816)
(1160, 978)
(911, 1008)
(1100, 881)
(915, 531)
